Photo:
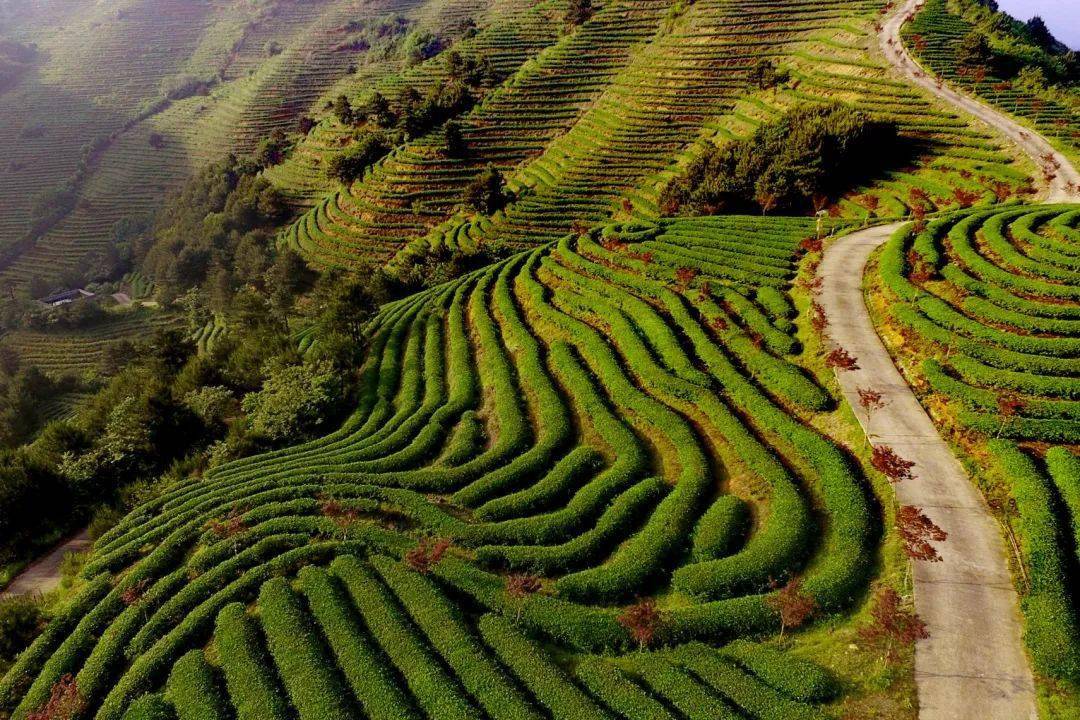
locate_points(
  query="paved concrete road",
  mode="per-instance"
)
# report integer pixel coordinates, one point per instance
(973, 665)
(44, 574)
(1065, 187)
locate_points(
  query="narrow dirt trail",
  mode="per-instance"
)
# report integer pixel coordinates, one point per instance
(973, 666)
(44, 574)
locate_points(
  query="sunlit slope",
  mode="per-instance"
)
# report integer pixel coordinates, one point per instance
(934, 36)
(984, 309)
(108, 88)
(581, 142)
(617, 413)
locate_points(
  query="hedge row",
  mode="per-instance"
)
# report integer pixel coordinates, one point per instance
(446, 630)
(367, 670)
(194, 689)
(315, 688)
(1052, 628)
(545, 680)
(252, 682)
(612, 687)
(437, 692)
(743, 690)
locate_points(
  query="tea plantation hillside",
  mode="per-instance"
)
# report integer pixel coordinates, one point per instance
(470, 359)
(574, 130)
(982, 310)
(615, 415)
(1011, 65)
(123, 101)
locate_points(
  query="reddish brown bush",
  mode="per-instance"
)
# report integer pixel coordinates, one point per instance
(893, 626)
(888, 463)
(917, 532)
(427, 554)
(641, 620)
(793, 605)
(64, 703)
(841, 359)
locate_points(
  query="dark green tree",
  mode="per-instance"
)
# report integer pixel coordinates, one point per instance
(350, 164)
(812, 151)
(272, 150)
(1039, 33)
(765, 75)
(343, 110)
(579, 11)
(974, 51)
(487, 192)
(377, 110)
(456, 147)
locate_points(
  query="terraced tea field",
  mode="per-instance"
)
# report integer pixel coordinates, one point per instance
(145, 145)
(61, 352)
(615, 414)
(997, 288)
(979, 307)
(938, 32)
(618, 473)
(594, 143)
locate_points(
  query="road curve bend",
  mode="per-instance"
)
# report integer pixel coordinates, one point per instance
(1065, 185)
(973, 665)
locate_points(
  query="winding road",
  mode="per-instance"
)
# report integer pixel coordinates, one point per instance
(973, 666)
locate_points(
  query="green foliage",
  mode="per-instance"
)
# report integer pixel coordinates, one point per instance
(812, 152)
(420, 45)
(203, 233)
(454, 140)
(487, 192)
(194, 690)
(798, 679)
(1049, 604)
(309, 675)
(150, 707)
(255, 693)
(974, 51)
(371, 678)
(273, 150)
(579, 11)
(351, 164)
(295, 401)
(553, 412)
(21, 620)
(537, 672)
(609, 684)
(765, 75)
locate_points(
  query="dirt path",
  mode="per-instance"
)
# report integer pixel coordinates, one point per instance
(44, 574)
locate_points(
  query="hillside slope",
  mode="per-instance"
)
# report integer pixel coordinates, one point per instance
(602, 148)
(186, 83)
(542, 416)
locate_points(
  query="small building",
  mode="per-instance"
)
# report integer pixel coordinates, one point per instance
(66, 296)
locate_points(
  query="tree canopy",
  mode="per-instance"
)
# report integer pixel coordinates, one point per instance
(812, 153)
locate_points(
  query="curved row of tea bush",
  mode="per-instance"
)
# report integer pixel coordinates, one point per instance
(988, 300)
(599, 412)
